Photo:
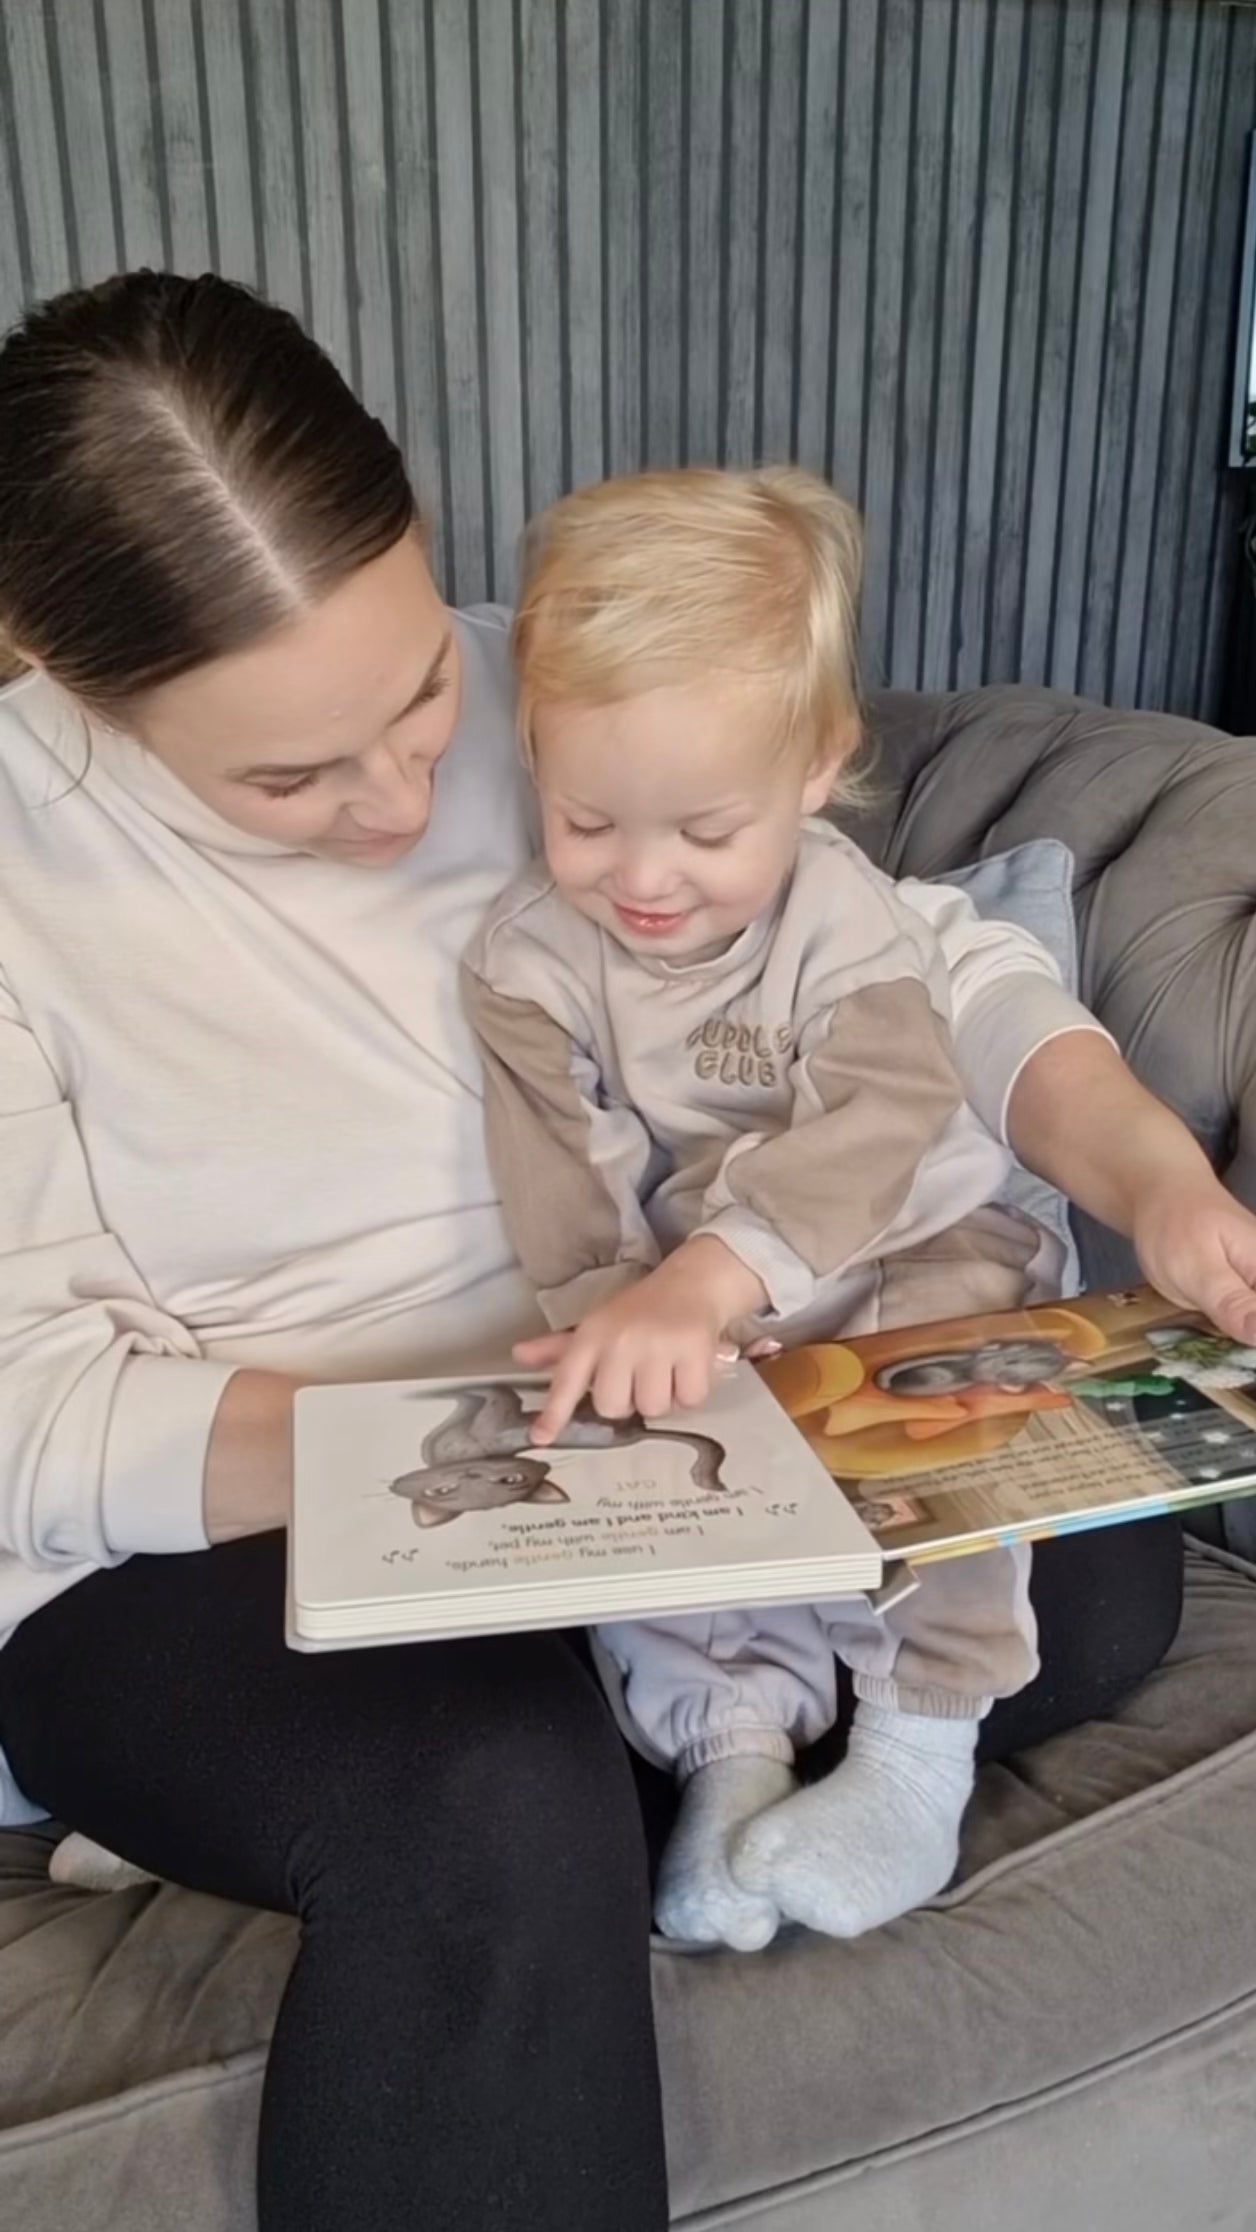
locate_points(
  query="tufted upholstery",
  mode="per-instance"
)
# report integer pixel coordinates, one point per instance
(1160, 816)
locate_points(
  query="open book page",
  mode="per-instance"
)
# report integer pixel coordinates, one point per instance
(432, 1494)
(952, 1436)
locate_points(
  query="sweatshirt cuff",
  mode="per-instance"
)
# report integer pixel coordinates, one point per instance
(789, 1284)
(997, 1035)
(567, 1305)
(154, 1473)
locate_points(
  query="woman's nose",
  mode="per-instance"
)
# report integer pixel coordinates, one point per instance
(395, 800)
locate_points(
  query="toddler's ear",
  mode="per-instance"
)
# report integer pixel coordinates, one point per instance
(821, 782)
(826, 771)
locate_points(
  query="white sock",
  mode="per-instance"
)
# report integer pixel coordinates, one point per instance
(697, 1899)
(86, 1866)
(879, 1836)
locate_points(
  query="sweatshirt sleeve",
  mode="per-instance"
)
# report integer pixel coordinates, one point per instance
(874, 1087)
(106, 1404)
(1007, 998)
(568, 1163)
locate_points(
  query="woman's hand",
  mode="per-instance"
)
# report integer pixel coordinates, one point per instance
(1197, 1246)
(654, 1348)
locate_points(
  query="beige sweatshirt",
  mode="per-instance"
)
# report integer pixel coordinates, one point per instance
(796, 1095)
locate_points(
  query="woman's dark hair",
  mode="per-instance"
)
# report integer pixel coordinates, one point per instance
(181, 470)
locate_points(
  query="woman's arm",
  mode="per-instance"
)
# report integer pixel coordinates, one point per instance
(1079, 1117)
(248, 1464)
(106, 1402)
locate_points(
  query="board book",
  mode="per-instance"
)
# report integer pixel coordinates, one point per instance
(420, 1508)
(953, 1437)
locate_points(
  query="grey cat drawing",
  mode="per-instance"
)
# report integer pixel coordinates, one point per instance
(479, 1458)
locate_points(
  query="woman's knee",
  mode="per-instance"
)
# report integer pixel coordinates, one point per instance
(507, 1783)
(1109, 1603)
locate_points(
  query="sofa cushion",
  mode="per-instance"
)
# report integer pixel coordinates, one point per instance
(1105, 1902)
(1032, 886)
(1160, 817)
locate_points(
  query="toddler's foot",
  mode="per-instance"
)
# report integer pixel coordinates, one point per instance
(697, 1899)
(86, 1866)
(879, 1836)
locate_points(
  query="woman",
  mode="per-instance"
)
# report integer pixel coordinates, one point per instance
(256, 787)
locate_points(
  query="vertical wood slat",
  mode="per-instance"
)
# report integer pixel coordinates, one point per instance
(783, 149)
(231, 170)
(1156, 339)
(850, 326)
(1173, 470)
(742, 223)
(184, 156)
(366, 190)
(87, 184)
(421, 370)
(15, 275)
(980, 555)
(541, 278)
(705, 159)
(50, 225)
(1217, 513)
(580, 28)
(131, 121)
(661, 198)
(819, 276)
(1138, 159)
(890, 258)
(622, 244)
(954, 346)
(916, 450)
(1053, 370)
(455, 305)
(1031, 252)
(267, 129)
(502, 377)
(1106, 95)
(976, 258)
(323, 164)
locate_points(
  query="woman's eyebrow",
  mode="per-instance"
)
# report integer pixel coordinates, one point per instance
(315, 767)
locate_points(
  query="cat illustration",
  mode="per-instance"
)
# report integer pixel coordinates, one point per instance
(481, 1459)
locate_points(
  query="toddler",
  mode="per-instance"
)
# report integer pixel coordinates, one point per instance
(721, 1098)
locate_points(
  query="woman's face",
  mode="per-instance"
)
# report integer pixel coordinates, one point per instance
(324, 735)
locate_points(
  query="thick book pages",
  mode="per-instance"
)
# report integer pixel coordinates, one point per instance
(420, 1509)
(981, 1430)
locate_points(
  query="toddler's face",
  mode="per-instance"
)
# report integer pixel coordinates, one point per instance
(666, 820)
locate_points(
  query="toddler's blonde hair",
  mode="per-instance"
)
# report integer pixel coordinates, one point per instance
(697, 574)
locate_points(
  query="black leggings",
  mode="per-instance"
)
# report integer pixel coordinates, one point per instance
(466, 2037)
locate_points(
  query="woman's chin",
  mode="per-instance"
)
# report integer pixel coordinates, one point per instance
(369, 852)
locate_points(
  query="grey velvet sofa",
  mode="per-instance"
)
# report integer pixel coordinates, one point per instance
(1069, 2035)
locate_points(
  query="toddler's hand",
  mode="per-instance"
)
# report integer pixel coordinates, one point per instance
(1197, 1246)
(654, 1348)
